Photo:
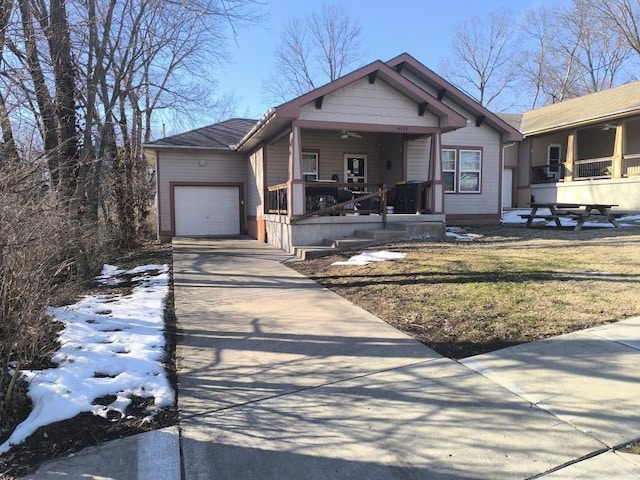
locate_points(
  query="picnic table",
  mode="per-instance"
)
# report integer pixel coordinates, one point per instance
(580, 212)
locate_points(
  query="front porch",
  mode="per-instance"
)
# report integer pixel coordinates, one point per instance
(287, 235)
(595, 164)
(336, 212)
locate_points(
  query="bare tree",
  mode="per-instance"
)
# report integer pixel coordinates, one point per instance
(92, 74)
(8, 150)
(314, 50)
(625, 16)
(597, 51)
(483, 59)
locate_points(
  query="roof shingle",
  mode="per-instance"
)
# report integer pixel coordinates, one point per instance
(591, 108)
(219, 136)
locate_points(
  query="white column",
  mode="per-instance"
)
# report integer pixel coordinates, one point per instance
(618, 152)
(296, 182)
(435, 172)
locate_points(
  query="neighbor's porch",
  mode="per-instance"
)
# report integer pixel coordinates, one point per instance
(599, 164)
(600, 152)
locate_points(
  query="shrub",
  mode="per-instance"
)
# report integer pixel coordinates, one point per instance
(44, 256)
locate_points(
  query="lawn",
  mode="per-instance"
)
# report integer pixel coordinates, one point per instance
(510, 285)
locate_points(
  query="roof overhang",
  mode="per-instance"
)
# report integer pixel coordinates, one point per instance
(583, 123)
(276, 120)
(446, 89)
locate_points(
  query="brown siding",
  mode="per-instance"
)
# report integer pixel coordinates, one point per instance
(539, 148)
(632, 137)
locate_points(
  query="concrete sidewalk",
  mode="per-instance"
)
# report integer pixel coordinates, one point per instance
(280, 378)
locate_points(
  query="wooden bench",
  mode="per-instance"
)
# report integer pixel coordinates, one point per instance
(532, 217)
(576, 212)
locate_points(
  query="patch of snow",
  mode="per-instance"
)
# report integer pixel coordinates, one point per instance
(110, 345)
(461, 235)
(513, 216)
(369, 257)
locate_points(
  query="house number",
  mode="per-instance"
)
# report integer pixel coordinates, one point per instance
(403, 129)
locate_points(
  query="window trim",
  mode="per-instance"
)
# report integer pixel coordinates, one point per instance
(554, 168)
(458, 171)
(461, 172)
(454, 171)
(316, 153)
(347, 176)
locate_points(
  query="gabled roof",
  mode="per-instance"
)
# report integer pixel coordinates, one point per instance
(513, 119)
(275, 119)
(596, 107)
(219, 136)
(377, 69)
(447, 89)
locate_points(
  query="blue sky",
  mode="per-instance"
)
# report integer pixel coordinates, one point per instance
(423, 28)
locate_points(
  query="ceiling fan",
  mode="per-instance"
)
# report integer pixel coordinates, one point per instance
(344, 134)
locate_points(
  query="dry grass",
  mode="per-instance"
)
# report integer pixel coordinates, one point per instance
(513, 285)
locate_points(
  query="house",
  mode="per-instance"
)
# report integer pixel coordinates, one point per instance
(328, 163)
(582, 150)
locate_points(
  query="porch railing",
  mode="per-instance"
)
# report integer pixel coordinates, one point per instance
(332, 198)
(547, 173)
(631, 165)
(592, 168)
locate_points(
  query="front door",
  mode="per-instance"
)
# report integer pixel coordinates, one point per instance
(355, 168)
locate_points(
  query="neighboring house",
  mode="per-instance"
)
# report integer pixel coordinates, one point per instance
(391, 133)
(583, 150)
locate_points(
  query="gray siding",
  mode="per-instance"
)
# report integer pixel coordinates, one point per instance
(332, 149)
(485, 137)
(418, 152)
(184, 166)
(278, 162)
(363, 102)
(255, 184)
(392, 150)
(490, 141)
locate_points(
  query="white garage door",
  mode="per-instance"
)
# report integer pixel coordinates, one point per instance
(203, 211)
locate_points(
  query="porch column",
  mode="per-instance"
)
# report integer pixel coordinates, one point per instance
(618, 152)
(572, 152)
(296, 182)
(435, 175)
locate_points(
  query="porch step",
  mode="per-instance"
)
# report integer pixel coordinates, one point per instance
(348, 242)
(395, 231)
(308, 252)
(381, 234)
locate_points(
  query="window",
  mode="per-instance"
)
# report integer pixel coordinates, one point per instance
(309, 166)
(554, 152)
(461, 170)
(449, 170)
(470, 171)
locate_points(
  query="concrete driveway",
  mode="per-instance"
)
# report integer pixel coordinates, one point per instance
(280, 378)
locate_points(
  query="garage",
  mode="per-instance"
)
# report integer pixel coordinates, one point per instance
(206, 210)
